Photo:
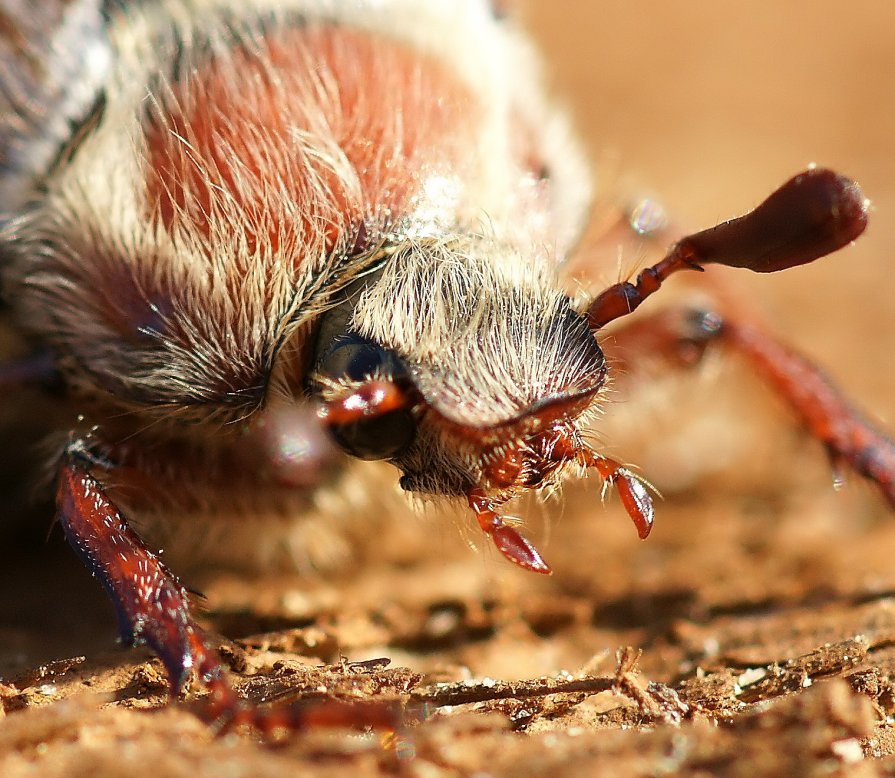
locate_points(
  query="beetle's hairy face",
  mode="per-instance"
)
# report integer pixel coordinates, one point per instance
(493, 354)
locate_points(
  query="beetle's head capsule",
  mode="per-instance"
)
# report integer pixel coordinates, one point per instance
(453, 354)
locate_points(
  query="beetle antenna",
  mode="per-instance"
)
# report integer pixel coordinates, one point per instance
(813, 214)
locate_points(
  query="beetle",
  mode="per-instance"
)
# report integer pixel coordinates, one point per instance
(250, 235)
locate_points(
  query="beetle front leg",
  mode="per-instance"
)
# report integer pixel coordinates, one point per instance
(823, 409)
(153, 609)
(151, 604)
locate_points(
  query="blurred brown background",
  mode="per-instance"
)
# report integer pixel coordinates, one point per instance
(711, 105)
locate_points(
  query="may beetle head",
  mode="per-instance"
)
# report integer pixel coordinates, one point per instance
(490, 358)
(462, 363)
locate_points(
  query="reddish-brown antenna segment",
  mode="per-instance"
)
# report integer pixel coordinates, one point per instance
(810, 216)
(374, 398)
(813, 214)
(632, 490)
(506, 539)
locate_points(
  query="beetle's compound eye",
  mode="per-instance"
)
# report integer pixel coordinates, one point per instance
(377, 437)
(372, 434)
(355, 359)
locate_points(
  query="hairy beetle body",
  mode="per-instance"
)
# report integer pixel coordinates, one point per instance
(235, 170)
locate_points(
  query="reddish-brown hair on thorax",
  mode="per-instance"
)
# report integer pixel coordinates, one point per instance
(216, 147)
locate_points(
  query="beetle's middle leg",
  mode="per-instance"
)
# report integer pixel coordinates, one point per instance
(848, 437)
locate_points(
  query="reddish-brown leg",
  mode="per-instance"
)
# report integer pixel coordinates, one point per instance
(151, 604)
(818, 403)
(153, 607)
(848, 437)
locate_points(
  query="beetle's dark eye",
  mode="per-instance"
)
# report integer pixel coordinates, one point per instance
(379, 437)
(354, 358)
(383, 436)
